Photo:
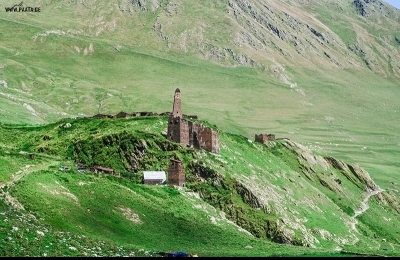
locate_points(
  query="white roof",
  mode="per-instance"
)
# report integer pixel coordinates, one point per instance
(154, 175)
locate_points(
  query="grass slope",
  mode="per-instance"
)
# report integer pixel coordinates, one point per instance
(80, 67)
(85, 214)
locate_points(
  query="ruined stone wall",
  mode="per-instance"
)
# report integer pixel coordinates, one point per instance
(123, 114)
(193, 135)
(179, 130)
(203, 137)
(261, 138)
(208, 139)
(189, 133)
(271, 136)
(176, 173)
(184, 132)
(214, 141)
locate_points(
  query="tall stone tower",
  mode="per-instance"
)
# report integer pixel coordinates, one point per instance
(178, 129)
(189, 133)
(177, 109)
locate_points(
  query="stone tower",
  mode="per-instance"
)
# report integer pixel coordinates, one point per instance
(176, 173)
(177, 110)
(191, 134)
(177, 128)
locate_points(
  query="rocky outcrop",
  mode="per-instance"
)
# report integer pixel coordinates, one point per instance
(251, 214)
(146, 5)
(258, 33)
(361, 7)
(247, 196)
(367, 8)
(124, 152)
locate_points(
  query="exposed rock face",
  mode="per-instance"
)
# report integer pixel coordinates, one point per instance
(253, 29)
(368, 7)
(204, 173)
(146, 5)
(326, 179)
(247, 196)
(263, 227)
(361, 7)
(260, 33)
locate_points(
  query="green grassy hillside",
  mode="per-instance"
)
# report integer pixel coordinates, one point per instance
(322, 74)
(236, 203)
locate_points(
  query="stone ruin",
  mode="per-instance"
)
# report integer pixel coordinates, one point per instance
(176, 173)
(264, 138)
(189, 133)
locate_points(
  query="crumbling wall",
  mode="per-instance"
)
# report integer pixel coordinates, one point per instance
(263, 138)
(208, 139)
(214, 141)
(184, 132)
(123, 114)
(188, 133)
(193, 135)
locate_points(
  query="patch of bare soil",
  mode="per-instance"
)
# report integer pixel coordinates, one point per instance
(129, 214)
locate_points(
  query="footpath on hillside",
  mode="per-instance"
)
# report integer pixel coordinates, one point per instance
(364, 204)
(25, 170)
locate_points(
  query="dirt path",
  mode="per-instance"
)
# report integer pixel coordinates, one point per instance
(363, 207)
(25, 170)
(14, 178)
(364, 204)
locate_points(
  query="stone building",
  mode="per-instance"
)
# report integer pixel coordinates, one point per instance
(176, 173)
(263, 138)
(189, 133)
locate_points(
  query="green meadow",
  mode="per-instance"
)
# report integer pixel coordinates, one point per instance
(68, 213)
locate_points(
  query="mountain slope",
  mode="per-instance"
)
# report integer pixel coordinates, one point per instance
(278, 192)
(322, 73)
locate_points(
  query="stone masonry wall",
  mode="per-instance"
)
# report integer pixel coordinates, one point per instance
(176, 173)
(184, 132)
(174, 133)
(153, 181)
(188, 133)
(208, 139)
(214, 141)
(263, 138)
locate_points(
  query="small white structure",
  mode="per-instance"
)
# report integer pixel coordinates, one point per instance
(154, 177)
